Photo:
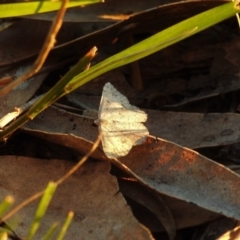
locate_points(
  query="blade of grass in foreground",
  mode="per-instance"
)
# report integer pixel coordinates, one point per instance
(51, 231)
(142, 49)
(65, 226)
(42, 208)
(6, 204)
(3, 236)
(26, 8)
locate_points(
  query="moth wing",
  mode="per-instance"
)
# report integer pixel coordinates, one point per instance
(114, 111)
(113, 95)
(119, 138)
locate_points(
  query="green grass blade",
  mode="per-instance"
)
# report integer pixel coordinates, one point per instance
(3, 236)
(65, 226)
(26, 8)
(42, 208)
(6, 204)
(52, 95)
(157, 42)
(50, 232)
(58, 90)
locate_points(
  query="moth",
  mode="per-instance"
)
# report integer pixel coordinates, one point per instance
(120, 123)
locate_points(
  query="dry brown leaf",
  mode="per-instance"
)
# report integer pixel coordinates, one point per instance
(169, 168)
(151, 201)
(92, 193)
(185, 174)
(193, 130)
(183, 213)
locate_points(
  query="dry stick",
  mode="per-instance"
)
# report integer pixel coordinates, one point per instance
(49, 43)
(68, 174)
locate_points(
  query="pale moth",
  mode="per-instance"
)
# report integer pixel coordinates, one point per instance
(120, 123)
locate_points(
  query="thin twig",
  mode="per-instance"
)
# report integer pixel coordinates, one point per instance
(81, 162)
(49, 43)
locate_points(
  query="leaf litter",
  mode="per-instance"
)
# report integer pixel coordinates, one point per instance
(74, 123)
(174, 170)
(164, 166)
(197, 159)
